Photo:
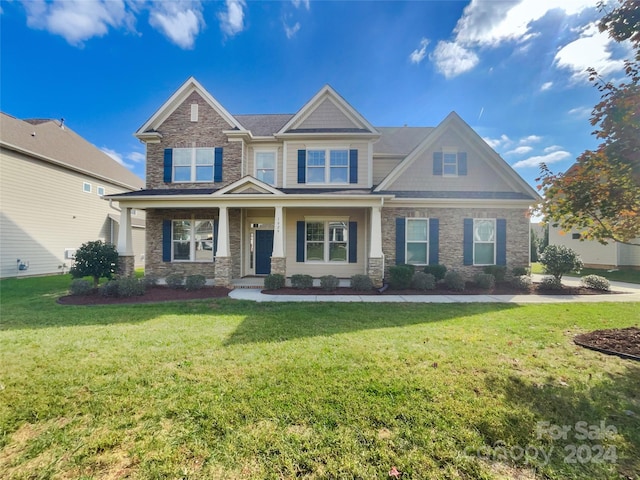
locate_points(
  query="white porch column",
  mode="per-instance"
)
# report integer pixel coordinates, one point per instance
(278, 234)
(125, 244)
(375, 248)
(223, 233)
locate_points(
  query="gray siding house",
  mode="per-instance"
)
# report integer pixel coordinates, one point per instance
(320, 191)
(52, 197)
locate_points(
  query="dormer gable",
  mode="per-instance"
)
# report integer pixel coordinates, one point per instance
(248, 186)
(149, 130)
(327, 112)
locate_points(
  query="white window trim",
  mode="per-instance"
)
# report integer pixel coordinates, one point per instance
(327, 164)
(275, 163)
(495, 241)
(192, 243)
(87, 187)
(326, 241)
(194, 112)
(98, 188)
(449, 151)
(407, 241)
(193, 165)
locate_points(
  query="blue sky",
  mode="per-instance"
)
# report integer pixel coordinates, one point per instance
(514, 70)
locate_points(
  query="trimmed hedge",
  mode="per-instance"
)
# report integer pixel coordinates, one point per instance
(361, 283)
(329, 283)
(301, 281)
(275, 281)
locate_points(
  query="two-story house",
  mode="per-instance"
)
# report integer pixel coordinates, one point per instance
(320, 192)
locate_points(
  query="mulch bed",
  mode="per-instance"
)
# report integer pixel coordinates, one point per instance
(151, 295)
(624, 342)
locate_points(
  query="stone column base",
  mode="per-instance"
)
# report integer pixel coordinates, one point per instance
(279, 265)
(224, 272)
(126, 265)
(374, 270)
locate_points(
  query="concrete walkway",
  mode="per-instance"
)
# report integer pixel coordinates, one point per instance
(628, 292)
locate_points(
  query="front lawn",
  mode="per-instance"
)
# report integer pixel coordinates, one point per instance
(619, 275)
(222, 389)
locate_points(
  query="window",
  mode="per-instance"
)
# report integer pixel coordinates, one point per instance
(337, 171)
(575, 236)
(192, 240)
(100, 191)
(327, 241)
(417, 243)
(450, 164)
(484, 241)
(86, 187)
(193, 164)
(266, 167)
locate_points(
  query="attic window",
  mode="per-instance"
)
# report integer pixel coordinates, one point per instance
(194, 112)
(86, 187)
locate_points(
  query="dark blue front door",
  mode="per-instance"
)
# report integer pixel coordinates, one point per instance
(264, 248)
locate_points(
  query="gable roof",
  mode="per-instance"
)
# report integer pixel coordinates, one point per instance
(248, 184)
(453, 121)
(264, 125)
(400, 141)
(356, 122)
(179, 96)
(51, 142)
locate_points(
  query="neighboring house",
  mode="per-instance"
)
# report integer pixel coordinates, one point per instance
(596, 255)
(320, 192)
(53, 184)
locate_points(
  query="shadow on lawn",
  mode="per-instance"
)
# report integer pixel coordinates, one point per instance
(279, 322)
(577, 421)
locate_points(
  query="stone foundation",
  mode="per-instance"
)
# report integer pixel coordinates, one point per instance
(126, 265)
(279, 265)
(375, 271)
(224, 272)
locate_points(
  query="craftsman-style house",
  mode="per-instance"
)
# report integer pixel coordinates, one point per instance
(319, 192)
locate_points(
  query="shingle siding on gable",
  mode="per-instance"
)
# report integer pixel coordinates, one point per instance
(327, 115)
(179, 131)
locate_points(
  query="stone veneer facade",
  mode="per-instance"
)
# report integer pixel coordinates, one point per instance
(451, 228)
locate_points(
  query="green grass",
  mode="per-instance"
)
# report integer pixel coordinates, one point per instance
(621, 275)
(222, 389)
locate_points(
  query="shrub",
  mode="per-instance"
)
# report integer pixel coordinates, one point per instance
(174, 280)
(301, 281)
(498, 272)
(596, 282)
(485, 280)
(129, 287)
(149, 280)
(423, 281)
(400, 276)
(329, 283)
(275, 281)
(438, 271)
(558, 260)
(519, 271)
(361, 283)
(521, 282)
(80, 286)
(109, 289)
(454, 281)
(95, 259)
(195, 282)
(550, 283)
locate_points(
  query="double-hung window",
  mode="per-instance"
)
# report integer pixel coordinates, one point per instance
(327, 166)
(484, 241)
(192, 240)
(193, 164)
(417, 243)
(450, 164)
(327, 241)
(266, 166)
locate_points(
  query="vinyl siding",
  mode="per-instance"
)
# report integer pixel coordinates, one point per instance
(591, 252)
(382, 167)
(249, 160)
(45, 211)
(327, 115)
(629, 255)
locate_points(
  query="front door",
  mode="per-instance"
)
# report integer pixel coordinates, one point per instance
(264, 249)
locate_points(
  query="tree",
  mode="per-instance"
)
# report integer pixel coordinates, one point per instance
(95, 259)
(600, 194)
(558, 260)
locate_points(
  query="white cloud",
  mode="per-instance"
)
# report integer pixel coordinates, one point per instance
(232, 19)
(581, 112)
(419, 53)
(78, 20)
(552, 148)
(180, 21)
(136, 157)
(498, 142)
(550, 158)
(546, 86)
(519, 150)
(291, 31)
(530, 139)
(451, 59)
(591, 49)
(305, 3)
(115, 155)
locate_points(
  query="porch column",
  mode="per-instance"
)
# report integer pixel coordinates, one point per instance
(278, 259)
(126, 260)
(224, 272)
(375, 264)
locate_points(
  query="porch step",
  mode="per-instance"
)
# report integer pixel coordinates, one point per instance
(248, 283)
